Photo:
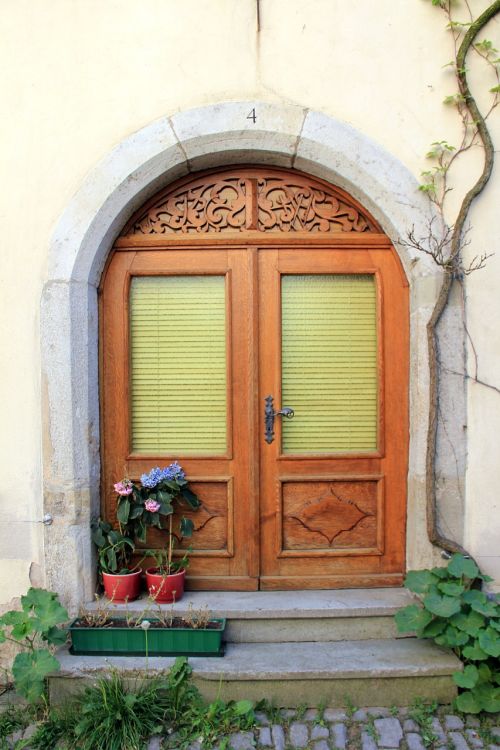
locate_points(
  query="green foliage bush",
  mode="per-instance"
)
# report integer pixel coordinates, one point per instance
(35, 628)
(466, 620)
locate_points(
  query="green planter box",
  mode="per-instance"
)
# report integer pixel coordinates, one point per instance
(125, 641)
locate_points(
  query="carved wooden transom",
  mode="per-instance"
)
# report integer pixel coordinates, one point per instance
(258, 199)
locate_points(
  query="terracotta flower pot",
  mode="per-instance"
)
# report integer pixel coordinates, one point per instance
(121, 588)
(165, 588)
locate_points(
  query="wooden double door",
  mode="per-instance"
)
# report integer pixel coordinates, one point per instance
(205, 342)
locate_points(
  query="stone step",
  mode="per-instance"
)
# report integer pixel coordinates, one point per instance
(364, 672)
(290, 616)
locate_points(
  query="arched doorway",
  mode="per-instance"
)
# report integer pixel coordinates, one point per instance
(234, 287)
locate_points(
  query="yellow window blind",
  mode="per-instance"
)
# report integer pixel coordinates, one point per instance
(329, 363)
(178, 364)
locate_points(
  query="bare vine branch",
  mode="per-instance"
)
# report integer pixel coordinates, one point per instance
(474, 126)
(446, 243)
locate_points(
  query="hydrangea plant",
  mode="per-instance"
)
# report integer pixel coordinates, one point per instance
(151, 503)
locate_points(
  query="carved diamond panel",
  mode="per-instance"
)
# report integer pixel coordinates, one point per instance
(213, 521)
(332, 515)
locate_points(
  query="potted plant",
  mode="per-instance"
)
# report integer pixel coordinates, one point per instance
(121, 581)
(152, 504)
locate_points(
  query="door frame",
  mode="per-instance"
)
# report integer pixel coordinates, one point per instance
(134, 244)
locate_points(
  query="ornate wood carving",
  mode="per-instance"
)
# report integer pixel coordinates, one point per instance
(329, 515)
(251, 199)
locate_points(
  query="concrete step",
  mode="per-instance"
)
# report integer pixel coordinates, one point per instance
(364, 672)
(291, 616)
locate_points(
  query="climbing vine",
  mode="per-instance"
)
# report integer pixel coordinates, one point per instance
(446, 243)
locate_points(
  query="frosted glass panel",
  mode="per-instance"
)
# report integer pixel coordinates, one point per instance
(178, 364)
(329, 363)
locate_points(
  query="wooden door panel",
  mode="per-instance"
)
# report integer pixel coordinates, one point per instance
(224, 544)
(337, 517)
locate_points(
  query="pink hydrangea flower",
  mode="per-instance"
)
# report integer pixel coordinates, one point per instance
(124, 487)
(152, 506)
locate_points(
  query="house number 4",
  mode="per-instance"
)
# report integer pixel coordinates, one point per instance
(252, 116)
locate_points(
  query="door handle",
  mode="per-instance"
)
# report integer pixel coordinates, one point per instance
(270, 415)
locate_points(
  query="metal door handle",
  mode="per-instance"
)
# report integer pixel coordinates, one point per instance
(270, 415)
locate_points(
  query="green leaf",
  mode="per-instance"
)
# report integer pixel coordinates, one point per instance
(479, 603)
(187, 527)
(488, 697)
(243, 707)
(451, 588)
(474, 653)
(22, 629)
(190, 498)
(166, 509)
(56, 636)
(484, 673)
(495, 89)
(495, 624)
(468, 703)
(455, 637)
(468, 678)
(489, 641)
(471, 623)
(412, 618)
(123, 510)
(443, 606)
(434, 628)
(47, 610)
(440, 572)
(112, 562)
(460, 565)
(136, 512)
(30, 670)
(419, 581)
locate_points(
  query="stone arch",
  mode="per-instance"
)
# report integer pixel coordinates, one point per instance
(163, 151)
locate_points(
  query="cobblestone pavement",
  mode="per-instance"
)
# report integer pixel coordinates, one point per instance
(363, 729)
(337, 729)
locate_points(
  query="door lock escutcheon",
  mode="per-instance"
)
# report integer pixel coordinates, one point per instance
(270, 414)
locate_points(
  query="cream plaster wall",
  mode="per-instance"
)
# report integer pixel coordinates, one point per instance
(79, 76)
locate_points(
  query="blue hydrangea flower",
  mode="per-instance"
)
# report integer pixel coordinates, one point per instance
(152, 479)
(174, 471)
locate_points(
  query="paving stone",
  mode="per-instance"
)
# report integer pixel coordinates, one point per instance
(414, 741)
(288, 713)
(495, 731)
(458, 741)
(311, 714)
(339, 734)
(378, 712)
(278, 736)
(367, 742)
(242, 741)
(196, 745)
(389, 732)
(334, 714)
(453, 722)
(321, 745)
(265, 737)
(438, 730)
(319, 733)
(493, 747)
(359, 715)
(410, 726)
(299, 735)
(473, 738)
(472, 721)
(154, 743)
(261, 718)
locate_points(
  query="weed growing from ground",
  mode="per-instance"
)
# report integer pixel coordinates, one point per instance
(11, 720)
(423, 714)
